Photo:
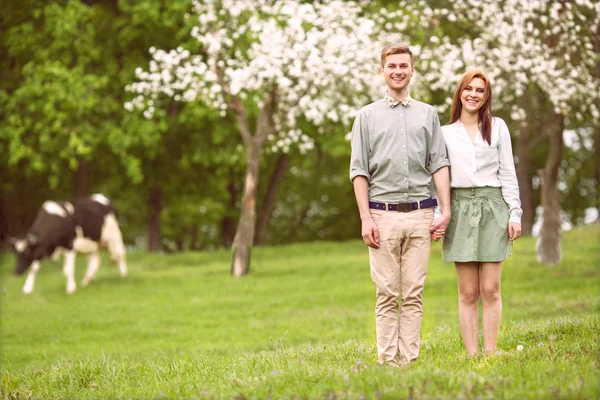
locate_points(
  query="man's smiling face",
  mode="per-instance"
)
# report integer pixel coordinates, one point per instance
(397, 72)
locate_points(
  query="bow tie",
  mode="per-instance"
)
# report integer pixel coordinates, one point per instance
(393, 102)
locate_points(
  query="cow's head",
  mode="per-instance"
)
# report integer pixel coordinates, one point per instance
(26, 251)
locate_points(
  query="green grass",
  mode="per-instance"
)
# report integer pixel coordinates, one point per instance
(301, 325)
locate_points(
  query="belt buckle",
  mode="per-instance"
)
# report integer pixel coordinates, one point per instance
(404, 207)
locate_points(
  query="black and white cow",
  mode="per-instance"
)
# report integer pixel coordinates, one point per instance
(67, 228)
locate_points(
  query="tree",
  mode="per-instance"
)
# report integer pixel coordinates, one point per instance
(269, 69)
(55, 107)
(545, 44)
(58, 113)
(64, 130)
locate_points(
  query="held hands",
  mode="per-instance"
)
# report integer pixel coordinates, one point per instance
(370, 234)
(437, 234)
(438, 227)
(514, 230)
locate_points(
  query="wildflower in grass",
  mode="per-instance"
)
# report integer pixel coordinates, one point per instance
(520, 347)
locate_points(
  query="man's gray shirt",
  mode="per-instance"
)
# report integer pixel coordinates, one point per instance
(397, 149)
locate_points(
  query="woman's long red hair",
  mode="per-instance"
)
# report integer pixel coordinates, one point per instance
(485, 112)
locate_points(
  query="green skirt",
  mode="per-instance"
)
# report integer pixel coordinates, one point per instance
(478, 229)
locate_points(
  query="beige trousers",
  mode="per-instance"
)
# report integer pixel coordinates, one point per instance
(399, 266)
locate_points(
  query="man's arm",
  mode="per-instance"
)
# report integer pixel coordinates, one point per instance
(441, 178)
(369, 232)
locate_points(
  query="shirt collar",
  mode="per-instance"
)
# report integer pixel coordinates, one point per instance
(393, 102)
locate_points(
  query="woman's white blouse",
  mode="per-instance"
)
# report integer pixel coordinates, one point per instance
(479, 164)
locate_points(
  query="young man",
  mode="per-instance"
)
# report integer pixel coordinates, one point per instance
(397, 146)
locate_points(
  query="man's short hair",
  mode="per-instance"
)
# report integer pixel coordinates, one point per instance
(396, 49)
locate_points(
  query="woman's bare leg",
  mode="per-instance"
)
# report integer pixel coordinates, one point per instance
(491, 300)
(468, 298)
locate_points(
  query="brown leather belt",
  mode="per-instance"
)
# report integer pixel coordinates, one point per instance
(403, 207)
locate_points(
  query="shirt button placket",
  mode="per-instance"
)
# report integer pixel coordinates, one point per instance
(404, 138)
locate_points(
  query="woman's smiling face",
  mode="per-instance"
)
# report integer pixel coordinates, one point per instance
(473, 95)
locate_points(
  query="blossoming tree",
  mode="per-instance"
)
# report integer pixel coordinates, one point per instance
(271, 68)
(544, 44)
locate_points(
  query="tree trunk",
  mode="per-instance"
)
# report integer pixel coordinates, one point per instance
(155, 206)
(268, 203)
(227, 231)
(524, 175)
(3, 222)
(21, 199)
(81, 184)
(180, 240)
(244, 236)
(597, 49)
(193, 245)
(302, 216)
(598, 167)
(549, 241)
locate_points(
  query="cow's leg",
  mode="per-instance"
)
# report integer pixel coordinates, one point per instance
(111, 235)
(92, 268)
(69, 270)
(122, 263)
(28, 287)
(56, 254)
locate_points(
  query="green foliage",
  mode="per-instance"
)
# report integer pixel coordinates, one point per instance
(316, 200)
(300, 326)
(54, 115)
(64, 65)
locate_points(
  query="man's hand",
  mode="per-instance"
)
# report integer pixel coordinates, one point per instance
(370, 234)
(437, 235)
(441, 179)
(514, 230)
(438, 226)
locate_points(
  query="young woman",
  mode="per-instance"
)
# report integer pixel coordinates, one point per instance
(485, 205)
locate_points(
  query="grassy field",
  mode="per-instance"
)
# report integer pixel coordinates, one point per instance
(301, 325)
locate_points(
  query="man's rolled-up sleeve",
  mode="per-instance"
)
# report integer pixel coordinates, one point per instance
(438, 157)
(359, 159)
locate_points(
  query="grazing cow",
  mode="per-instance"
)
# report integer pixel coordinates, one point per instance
(67, 228)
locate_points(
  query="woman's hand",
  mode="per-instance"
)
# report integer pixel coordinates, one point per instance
(514, 230)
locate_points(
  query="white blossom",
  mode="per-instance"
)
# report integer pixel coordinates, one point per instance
(513, 45)
(322, 58)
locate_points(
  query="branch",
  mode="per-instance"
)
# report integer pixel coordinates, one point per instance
(541, 133)
(536, 140)
(241, 118)
(433, 24)
(264, 125)
(236, 105)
